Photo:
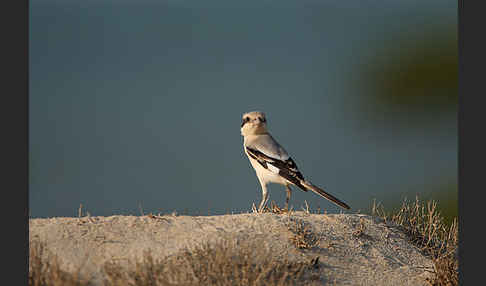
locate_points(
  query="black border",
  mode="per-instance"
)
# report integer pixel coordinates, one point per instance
(15, 148)
(471, 182)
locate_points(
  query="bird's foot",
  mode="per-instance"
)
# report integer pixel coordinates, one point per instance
(277, 210)
(260, 209)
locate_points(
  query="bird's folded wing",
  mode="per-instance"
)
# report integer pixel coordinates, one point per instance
(285, 168)
(289, 171)
(268, 146)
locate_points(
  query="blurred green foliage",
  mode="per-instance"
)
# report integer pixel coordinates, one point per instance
(418, 69)
(446, 197)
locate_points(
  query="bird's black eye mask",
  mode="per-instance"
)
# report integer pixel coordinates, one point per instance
(245, 120)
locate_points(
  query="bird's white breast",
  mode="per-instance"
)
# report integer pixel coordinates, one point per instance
(265, 175)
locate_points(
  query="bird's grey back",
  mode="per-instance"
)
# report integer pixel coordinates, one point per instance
(267, 145)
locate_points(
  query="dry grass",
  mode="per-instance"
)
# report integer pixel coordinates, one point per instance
(274, 208)
(426, 229)
(44, 269)
(360, 230)
(250, 262)
(302, 235)
(227, 262)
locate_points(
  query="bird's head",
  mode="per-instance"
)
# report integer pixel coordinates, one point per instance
(253, 123)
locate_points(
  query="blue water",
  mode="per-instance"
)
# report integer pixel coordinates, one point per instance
(138, 106)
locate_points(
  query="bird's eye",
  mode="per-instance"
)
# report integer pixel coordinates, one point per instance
(245, 120)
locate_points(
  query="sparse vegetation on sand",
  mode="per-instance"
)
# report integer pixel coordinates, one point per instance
(228, 262)
(224, 263)
(426, 229)
(44, 268)
(231, 260)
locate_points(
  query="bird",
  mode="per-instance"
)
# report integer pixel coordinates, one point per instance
(272, 163)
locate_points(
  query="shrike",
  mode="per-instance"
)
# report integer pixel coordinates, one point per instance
(271, 162)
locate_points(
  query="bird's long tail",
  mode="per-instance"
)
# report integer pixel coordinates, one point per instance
(324, 194)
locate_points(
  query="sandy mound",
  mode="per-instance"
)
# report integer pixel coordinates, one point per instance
(353, 249)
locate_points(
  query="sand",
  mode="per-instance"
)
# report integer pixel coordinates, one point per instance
(353, 249)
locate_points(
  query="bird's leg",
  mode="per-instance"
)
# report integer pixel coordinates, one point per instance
(264, 198)
(289, 192)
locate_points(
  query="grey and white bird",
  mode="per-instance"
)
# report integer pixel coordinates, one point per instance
(272, 163)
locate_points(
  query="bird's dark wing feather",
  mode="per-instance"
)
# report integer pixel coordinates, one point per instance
(287, 169)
